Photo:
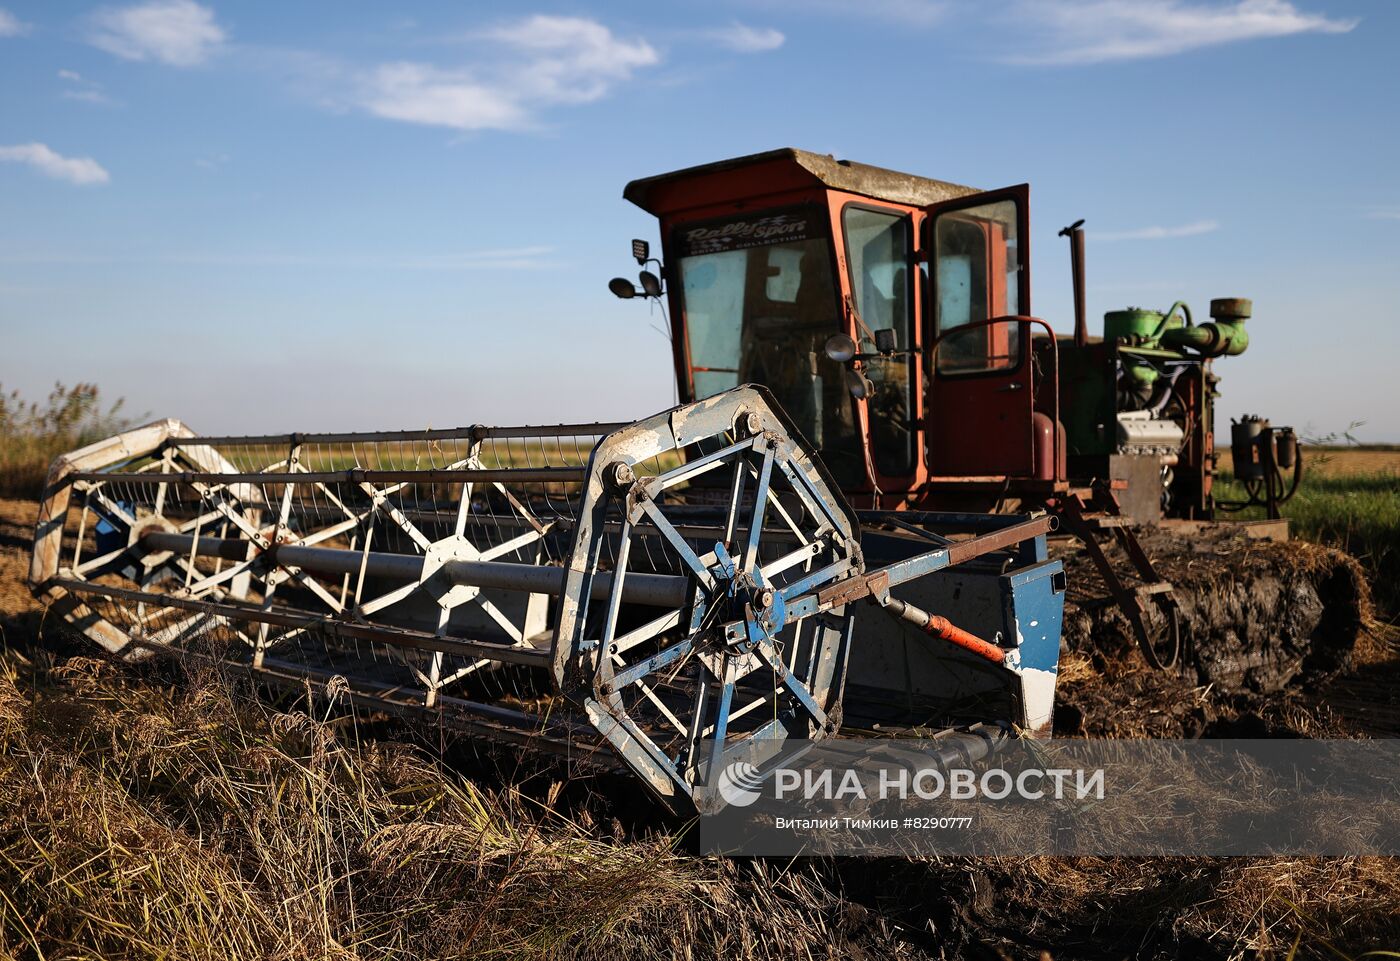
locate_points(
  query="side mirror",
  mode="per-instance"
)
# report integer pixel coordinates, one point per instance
(651, 284)
(622, 288)
(885, 341)
(841, 348)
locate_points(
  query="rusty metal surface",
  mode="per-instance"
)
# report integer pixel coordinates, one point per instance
(1000, 540)
(1149, 605)
(877, 583)
(821, 170)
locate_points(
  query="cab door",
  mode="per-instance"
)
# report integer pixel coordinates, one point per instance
(981, 388)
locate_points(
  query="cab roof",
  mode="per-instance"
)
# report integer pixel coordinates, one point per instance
(790, 168)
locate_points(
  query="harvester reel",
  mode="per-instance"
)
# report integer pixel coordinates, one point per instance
(644, 571)
(723, 669)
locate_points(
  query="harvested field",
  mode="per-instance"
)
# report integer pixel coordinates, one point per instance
(163, 811)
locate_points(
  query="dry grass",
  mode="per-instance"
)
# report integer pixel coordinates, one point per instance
(32, 434)
(147, 820)
(1231, 907)
(165, 813)
(138, 823)
(1335, 461)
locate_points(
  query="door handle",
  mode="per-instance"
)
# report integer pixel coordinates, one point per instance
(1014, 385)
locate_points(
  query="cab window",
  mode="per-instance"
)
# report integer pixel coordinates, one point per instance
(977, 263)
(877, 255)
(760, 300)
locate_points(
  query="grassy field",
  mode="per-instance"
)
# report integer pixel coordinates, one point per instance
(165, 812)
(1343, 461)
(1349, 498)
(33, 433)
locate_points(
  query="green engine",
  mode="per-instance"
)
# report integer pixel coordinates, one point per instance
(1138, 404)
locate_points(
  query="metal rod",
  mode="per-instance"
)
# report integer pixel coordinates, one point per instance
(653, 590)
(397, 636)
(357, 437)
(998, 540)
(504, 715)
(525, 475)
(446, 515)
(944, 629)
(947, 521)
(878, 582)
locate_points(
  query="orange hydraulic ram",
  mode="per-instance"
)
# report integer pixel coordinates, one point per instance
(942, 628)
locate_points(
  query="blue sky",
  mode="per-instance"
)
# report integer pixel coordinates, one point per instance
(275, 216)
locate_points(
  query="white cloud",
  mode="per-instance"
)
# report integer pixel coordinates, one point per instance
(539, 62)
(177, 32)
(78, 170)
(417, 93)
(742, 38)
(88, 95)
(1096, 31)
(1383, 213)
(87, 91)
(1158, 233)
(10, 25)
(570, 59)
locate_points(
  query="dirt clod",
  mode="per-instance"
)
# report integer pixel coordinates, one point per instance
(1261, 623)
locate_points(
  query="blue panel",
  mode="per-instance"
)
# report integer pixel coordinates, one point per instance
(110, 537)
(1036, 615)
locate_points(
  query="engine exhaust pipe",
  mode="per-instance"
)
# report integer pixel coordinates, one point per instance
(1075, 233)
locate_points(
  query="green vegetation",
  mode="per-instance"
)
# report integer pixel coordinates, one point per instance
(32, 434)
(1357, 512)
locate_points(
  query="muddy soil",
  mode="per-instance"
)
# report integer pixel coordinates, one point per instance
(1265, 628)
(1255, 615)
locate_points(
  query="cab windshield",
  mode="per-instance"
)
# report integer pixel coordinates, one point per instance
(759, 302)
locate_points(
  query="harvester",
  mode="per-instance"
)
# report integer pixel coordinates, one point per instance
(842, 527)
(890, 315)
